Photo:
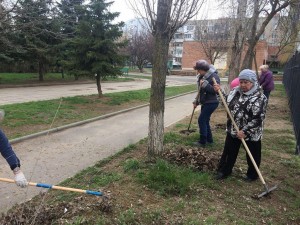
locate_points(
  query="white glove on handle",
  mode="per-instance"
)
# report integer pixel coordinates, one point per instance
(20, 179)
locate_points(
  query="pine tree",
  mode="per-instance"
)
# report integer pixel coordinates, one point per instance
(37, 30)
(95, 46)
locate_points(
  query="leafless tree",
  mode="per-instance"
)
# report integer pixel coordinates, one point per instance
(163, 17)
(214, 40)
(288, 38)
(267, 8)
(283, 38)
(140, 49)
(237, 9)
(248, 28)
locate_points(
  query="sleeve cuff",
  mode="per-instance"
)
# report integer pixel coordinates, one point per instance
(12, 167)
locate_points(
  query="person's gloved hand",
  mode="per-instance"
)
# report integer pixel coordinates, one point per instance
(20, 179)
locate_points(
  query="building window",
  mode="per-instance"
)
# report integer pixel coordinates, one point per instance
(178, 36)
(190, 28)
(176, 44)
(187, 36)
(177, 59)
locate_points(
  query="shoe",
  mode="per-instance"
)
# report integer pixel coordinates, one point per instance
(221, 176)
(249, 179)
(198, 144)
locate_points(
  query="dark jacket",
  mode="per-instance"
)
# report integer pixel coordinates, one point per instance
(7, 152)
(266, 80)
(207, 92)
(248, 110)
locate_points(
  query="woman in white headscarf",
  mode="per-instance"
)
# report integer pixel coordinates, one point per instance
(248, 108)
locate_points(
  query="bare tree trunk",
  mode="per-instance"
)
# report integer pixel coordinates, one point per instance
(157, 99)
(62, 74)
(99, 89)
(238, 41)
(158, 83)
(41, 71)
(249, 56)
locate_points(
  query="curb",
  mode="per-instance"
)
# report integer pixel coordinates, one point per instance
(53, 130)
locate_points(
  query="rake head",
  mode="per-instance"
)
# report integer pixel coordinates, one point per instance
(266, 193)
(187, 132)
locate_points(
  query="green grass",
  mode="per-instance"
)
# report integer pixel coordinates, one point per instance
(144, 95)
(140, 76)
(279, 91)
(21, 78)
(169, 179)
(131, 165)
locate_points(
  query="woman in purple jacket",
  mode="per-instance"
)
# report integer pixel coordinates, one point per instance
(9, 155)
(266, 80)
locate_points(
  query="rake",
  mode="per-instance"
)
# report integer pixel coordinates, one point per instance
(49, 186)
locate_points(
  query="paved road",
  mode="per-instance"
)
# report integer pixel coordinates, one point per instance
(53, 158)
(27, 94)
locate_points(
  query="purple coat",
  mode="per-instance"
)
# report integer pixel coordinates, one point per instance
(266, 80)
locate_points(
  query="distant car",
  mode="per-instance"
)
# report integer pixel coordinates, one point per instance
(148, 65)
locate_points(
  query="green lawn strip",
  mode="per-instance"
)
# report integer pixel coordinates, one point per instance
(139, 76)
(19, 78)
(23, 78)
(26, 118)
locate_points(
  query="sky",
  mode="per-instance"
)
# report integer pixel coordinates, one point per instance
(209, 10)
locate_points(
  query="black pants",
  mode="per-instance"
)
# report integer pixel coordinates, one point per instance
(230, 153)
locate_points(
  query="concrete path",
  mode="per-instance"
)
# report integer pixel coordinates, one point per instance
(27, 94)
(54, 158)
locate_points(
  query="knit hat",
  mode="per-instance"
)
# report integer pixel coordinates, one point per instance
(202, 65)
(249, 75)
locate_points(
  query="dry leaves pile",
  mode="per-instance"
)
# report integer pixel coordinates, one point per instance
(197, 158)
(58, 213)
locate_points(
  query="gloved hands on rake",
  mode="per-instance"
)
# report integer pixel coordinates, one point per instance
(20, 179)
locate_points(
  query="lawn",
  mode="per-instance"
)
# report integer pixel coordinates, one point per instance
(31, 78)
(26, 118)
(162, 192)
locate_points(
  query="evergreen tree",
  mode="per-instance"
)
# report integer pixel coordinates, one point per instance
(94, 49)
(70, 11)
(38, 31)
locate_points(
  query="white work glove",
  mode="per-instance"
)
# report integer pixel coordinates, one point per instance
(20, 179)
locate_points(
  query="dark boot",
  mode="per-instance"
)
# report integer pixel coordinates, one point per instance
(203, 139)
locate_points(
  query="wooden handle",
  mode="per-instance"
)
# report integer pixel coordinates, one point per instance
(243, 141)
(56, 187)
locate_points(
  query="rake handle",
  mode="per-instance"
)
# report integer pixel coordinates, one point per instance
(191, 119)
(243, 140)
(49, 186)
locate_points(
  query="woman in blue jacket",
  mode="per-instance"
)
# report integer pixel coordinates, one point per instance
(207, 99)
